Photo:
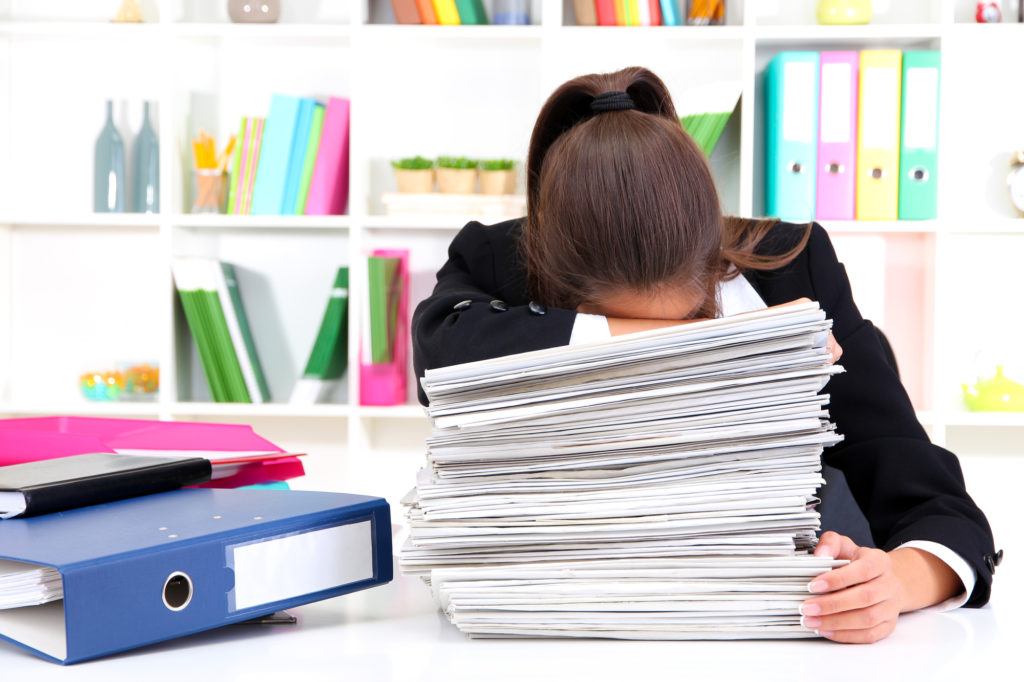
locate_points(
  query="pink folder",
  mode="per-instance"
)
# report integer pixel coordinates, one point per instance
(35, 438)
(328, 188)
(837, 136)
(384, 383)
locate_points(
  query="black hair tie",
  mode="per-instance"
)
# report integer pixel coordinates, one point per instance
(613, 100)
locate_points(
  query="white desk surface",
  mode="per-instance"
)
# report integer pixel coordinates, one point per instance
(394, 632)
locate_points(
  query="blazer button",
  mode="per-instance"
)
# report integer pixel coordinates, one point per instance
(538, 308)
(498, 305)
(462, 305)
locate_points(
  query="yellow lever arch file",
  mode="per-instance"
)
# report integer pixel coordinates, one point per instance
(878, 135)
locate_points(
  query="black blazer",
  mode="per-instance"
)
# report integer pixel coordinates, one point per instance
(908, 488)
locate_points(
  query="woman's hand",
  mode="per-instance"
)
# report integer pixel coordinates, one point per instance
(866, 596)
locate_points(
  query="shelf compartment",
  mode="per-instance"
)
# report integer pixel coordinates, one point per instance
(95, 303)
(284, 285)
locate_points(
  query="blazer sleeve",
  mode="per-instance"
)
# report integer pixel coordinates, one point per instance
(496, 321)
(908, 488)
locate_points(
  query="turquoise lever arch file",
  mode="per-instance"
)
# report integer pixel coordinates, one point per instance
(152, 568)
(791, 135)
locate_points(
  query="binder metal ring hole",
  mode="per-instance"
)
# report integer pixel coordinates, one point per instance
(919, 174)
(877, 173)
(796, 167)
(835, 168)
(177, 591)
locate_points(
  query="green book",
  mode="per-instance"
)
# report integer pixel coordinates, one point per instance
(255, 384)
(384, 289)
(309, 160)
(193, 316)
(329, 356)
(215, 315)
(236, 163)
(471, 11)
(709, 108)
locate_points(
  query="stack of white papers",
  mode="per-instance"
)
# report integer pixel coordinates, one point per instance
(656, 485)
(24, 584)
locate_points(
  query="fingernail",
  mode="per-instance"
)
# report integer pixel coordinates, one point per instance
(810, 609)
(818, 586)
(826, 633)
(811, 622)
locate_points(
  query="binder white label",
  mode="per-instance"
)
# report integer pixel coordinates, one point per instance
(302, 563)
(922, 114)
(835, 102)
(881, 104)
(798, 103)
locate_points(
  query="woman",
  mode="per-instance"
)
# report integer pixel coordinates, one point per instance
(624, 232)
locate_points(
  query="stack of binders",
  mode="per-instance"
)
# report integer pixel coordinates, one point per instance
(852, 135)
(655, 486)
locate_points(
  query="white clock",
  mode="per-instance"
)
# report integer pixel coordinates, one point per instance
(1016, 181)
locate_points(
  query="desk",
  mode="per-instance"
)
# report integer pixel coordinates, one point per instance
(395, 633)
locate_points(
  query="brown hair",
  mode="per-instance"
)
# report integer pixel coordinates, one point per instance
(625, 199)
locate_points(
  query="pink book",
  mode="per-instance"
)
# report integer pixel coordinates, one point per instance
(384, 383)
(837, 136)
(328, 188)
(250, 178)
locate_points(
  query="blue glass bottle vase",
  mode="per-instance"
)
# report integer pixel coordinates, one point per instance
(108, 168)
(146, 168)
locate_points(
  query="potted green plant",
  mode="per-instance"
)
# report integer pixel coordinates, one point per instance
(414, 174)
(456, 175)
(498, 176)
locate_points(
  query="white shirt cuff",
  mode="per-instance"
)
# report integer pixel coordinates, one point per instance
(955, 562)
(588, 328)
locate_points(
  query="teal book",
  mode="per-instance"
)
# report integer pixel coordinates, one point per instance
(471, 11)
(329, 356)
(276, 144)
(297, 156)
(919, 135)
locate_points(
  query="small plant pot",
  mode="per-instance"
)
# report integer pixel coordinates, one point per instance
(497, 182)
(456, 180)
(415, 181)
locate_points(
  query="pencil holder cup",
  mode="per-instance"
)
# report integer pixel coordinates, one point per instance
(209, 190)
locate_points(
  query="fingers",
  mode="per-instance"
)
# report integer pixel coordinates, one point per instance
(862, 600)
(867, 563)
(861, 614)
(835, 545)
(866, 636)
(835, 351)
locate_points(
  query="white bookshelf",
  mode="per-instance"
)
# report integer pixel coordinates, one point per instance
(81, 291)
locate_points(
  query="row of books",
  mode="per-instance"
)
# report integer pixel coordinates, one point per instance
(852, 135)
(648, 12)
(446, 12)
(294, 161)
(212, 302)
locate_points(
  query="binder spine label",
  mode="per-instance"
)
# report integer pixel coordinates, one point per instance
(296, 564)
